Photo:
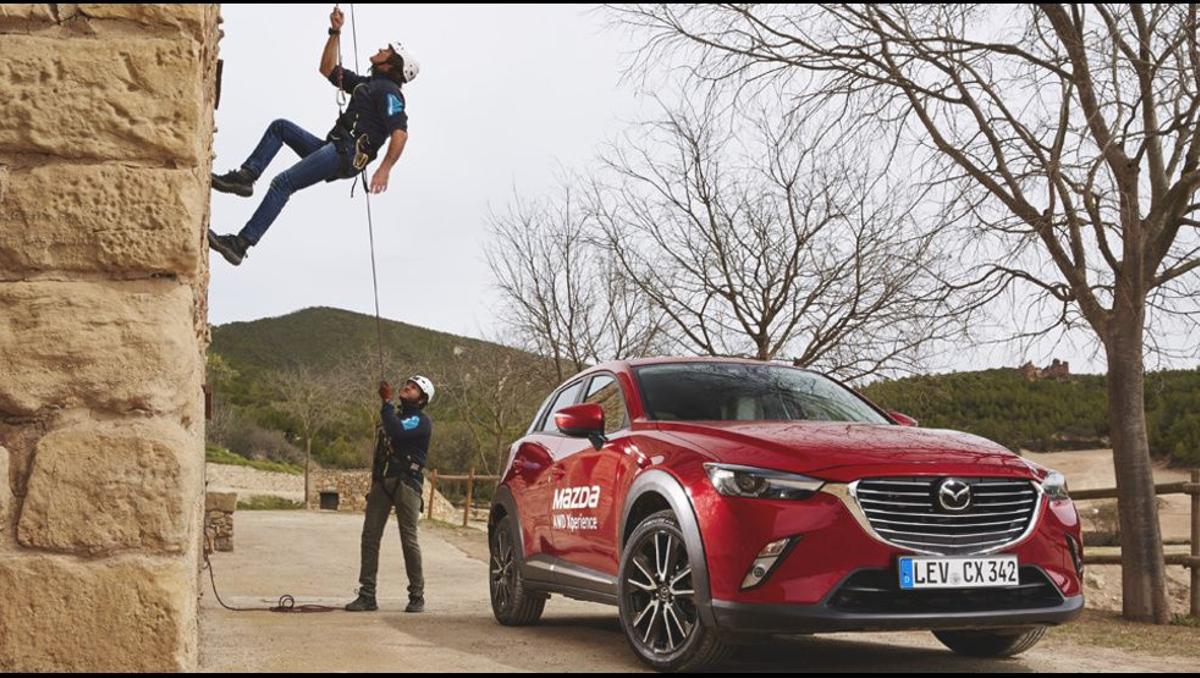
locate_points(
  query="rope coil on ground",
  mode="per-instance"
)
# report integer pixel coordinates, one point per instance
(286, 602)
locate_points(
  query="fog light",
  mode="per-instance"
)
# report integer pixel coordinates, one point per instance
(1076, 554)
(766, 561)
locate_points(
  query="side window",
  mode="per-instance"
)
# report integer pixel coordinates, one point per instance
(605, 391)
(566, 398)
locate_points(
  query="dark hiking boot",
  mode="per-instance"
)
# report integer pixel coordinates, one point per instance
(238, 182)
(415, 605)
(232, 247)
(363, 603)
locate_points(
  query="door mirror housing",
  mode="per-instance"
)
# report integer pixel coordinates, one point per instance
(585, 420)
(902, 419)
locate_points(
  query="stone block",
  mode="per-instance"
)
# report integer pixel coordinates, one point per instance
(37, 12)
(134, 221)
(137, 99)
(107, 487)
(120, 615)
(191, 18)
(106, 346)
(6, 496)
(221, 501)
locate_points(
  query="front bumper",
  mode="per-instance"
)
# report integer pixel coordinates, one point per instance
(830, 545)
(784, 619)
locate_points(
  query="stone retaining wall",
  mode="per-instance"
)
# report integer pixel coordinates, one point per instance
(106, 120)
(351, 488)
(218, 520)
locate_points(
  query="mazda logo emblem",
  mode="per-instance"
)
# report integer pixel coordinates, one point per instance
(954, 495)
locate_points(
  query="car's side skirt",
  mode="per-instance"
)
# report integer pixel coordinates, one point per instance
(554, 575)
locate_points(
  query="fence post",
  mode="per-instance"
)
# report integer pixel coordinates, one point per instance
(432, 492)
(1195, 544)
(470, 487)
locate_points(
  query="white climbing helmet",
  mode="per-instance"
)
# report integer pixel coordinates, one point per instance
(410, 65)
(425, 385)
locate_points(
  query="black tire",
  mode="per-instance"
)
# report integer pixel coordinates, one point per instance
(990, 643)
(512, 603)
(666, 585)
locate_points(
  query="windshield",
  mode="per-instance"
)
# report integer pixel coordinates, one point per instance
(746, 392)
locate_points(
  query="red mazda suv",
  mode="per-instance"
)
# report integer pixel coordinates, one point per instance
(713, 499)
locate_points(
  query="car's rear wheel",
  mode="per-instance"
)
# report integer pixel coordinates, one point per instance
(991, 643)
(658, 606)
(512, 603)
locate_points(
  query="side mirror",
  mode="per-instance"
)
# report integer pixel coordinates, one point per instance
(902, 419)
(582, 421)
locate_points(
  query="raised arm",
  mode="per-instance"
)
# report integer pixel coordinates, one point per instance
(330, 53)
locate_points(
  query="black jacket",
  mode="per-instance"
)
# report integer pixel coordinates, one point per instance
(409, 432)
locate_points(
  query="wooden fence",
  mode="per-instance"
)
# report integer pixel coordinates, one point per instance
(470, 479)
(1191, 561)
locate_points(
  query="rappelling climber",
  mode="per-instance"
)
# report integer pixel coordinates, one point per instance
(376, 113)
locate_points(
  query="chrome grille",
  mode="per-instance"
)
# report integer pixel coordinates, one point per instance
(906, 512)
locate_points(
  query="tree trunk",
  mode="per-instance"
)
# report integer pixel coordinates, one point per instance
(307, 457)
(1143, 572)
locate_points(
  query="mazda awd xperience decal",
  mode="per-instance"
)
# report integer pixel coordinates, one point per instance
(575, 498)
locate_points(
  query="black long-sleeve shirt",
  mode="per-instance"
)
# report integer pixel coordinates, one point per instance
(409, 431)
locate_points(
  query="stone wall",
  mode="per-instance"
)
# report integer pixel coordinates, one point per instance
(352, 487)
(218, 520)
(106, 121)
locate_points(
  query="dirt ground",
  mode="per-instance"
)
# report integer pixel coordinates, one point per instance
(314, 556)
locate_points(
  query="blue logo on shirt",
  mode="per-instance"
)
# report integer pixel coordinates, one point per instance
(411, 422)
(394, 104)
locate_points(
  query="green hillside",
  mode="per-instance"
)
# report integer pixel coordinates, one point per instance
(486, 393)
(1046, 414)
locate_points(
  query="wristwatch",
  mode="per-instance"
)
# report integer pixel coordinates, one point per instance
(335, 31)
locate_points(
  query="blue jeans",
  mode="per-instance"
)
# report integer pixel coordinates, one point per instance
(319, 160)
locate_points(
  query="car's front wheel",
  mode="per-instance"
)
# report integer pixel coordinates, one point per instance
(991, 643)
(512, 603)
(658, 604)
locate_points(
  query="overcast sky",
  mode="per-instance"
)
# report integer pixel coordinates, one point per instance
(506, 98)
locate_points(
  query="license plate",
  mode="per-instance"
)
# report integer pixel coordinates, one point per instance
(958, 573)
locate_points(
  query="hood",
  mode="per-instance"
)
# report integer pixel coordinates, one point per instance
(841, 452)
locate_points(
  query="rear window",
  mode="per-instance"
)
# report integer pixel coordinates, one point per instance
(747, 392)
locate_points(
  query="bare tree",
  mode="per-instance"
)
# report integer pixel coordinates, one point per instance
(771, 236)
(1070, 134)
(312, 399)
(561, 297)
(497, 391)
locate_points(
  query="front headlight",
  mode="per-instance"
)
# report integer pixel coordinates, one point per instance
(746, 481)
(1055, 486)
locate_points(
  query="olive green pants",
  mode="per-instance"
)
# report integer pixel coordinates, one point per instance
(386, 495)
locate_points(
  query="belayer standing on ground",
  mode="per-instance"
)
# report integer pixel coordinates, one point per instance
(376, 113)
(396, 482)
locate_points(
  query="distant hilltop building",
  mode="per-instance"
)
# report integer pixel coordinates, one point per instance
(1059, 370)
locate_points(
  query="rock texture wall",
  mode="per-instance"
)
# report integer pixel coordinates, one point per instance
(105, 149)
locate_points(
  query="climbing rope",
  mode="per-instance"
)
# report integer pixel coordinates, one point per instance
(367, 193)
(286, 602)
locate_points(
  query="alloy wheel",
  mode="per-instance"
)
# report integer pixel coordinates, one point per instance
(659, 593)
